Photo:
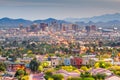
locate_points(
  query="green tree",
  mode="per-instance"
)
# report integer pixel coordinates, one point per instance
(2, 67)
(85, 74)
(57, 77)
(40, 68)
(84, 68)
(74, 78)
(34, 65)
(44, 64)
(20, 73)
(89, 78)
(48, 75)
(102, 64)
(100, 76)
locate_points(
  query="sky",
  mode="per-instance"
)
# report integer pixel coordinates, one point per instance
(59, 9)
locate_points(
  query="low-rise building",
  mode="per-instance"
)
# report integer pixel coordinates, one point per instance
(54, 61)
(76, 61)
(67, 61)
(86, 58)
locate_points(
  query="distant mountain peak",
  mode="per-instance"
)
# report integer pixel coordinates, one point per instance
(6, 18)
(50, 19)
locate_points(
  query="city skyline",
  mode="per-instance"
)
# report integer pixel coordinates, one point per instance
(59, 9)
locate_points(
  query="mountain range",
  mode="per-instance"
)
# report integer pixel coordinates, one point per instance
(107, 20)
(11, 23)
(101, 18)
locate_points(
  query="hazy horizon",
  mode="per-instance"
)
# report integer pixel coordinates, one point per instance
(58, 9)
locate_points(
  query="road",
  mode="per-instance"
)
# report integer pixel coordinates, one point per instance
(37, 76)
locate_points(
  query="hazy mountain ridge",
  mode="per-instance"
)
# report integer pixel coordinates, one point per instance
(8, 22)
(109, 24)
(107, 20)
(102, 18)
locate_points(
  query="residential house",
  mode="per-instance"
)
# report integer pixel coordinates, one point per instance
(76, 61)
(54, 61)
(61, 60)
(86, 59)
(67, 61)
(12, 66)
(92, 61)
(25, 59)
(2, 59)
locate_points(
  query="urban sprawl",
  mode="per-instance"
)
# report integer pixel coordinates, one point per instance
(59, 51)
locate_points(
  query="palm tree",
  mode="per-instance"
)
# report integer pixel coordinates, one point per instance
(114, 54)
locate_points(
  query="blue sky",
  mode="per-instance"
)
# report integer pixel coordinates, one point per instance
(59, 9)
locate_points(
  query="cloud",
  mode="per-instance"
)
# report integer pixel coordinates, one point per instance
(28, 3)
(58, 8)
(59, 3)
